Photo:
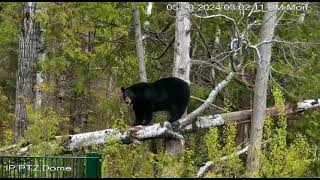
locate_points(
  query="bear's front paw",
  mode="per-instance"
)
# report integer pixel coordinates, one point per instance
(139, 126)
(135, 129)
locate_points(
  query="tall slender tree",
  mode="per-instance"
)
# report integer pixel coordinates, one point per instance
(139, 45)
(261, 85)
(140, 56)
(181, 64)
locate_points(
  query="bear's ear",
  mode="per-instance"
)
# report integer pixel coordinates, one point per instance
(123, 89)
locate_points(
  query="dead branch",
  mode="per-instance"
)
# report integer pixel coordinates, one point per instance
(191, 117)
(208, 165)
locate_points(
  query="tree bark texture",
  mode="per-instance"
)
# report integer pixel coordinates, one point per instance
(26, 75)
(261, 85)
(182, 46)
(40, 96)
(181, 67)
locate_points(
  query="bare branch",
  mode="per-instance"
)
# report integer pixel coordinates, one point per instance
(4, 59)
(288, 74)
(190, 117)
(258, 53)
(208, 165)
(255, 47)
(195, 61)
(165, 50)
(216, 15)
(198, 28)
(247, 28)
(24, 149)
(204, 169)
(286, 42)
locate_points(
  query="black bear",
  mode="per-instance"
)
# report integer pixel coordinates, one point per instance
(168, 94)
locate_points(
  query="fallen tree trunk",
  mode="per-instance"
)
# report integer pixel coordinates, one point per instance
(164, 130)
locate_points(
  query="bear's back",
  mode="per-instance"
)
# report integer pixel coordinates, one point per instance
(164, 91)
(170, 81)
(174, 87)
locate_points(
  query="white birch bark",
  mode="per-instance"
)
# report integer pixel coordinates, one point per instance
(208, 165)
(182, 46)
(181, 63)
(190, 117)
(164, 130)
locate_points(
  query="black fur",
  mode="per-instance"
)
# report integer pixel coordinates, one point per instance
(168, 94)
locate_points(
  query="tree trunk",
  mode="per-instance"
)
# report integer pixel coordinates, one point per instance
(261, 85)
(142, 67)
(39, 76)
(26, 76)
(139, 45)
(181, 68)
(163, 130)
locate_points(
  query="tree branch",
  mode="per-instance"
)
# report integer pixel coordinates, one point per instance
(190, 117)
(165, 50)
(198, 28)
(216, 15)
(208, 165)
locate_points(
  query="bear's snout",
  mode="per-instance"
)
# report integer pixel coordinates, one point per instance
(127, 100)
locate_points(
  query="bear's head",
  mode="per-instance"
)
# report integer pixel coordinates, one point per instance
(128, 95)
